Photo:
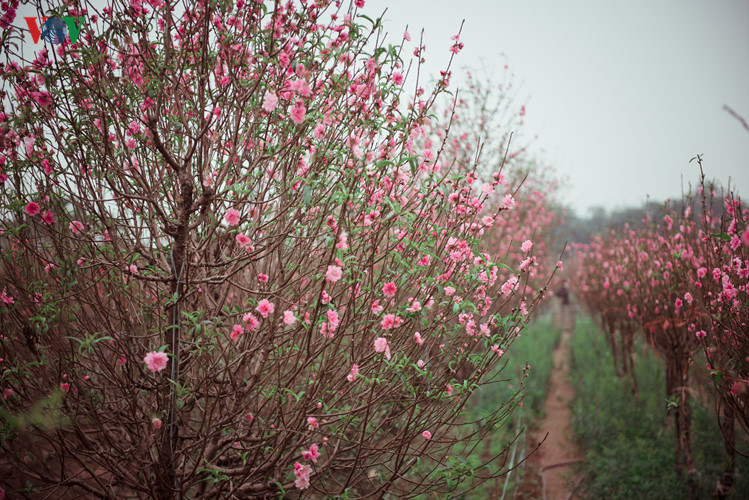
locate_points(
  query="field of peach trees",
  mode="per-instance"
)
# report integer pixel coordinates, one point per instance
(250, 250)
(681, 279)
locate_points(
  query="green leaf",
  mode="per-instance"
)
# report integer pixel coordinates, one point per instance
(307, 195)
(468, 305)
(414, 166)
(504, 266)
(297, 396)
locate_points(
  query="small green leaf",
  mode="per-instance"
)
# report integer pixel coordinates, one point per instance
(307, 195)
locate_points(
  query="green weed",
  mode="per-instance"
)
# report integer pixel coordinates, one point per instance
(629, 448)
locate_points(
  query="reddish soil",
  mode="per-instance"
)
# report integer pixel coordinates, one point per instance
(558, 455)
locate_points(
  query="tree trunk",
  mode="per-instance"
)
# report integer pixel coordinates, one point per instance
(168, 484)
(628, 351)
(610, 326)
(672, 383)
(677, 385)
(725, 483)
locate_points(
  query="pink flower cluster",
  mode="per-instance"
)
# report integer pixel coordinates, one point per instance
(381, 345)
(265, 308)
(353, 373)
(312, 453)
(156, 361)
(333, 274)
(9, 13)
(302, 473)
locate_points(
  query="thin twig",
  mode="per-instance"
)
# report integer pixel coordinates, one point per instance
(577, 485)
(737, 116)
(562, 464)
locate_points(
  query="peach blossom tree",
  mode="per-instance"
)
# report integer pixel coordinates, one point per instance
(225, 269)
(485, 123)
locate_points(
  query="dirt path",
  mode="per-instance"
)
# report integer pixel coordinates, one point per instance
(558, 455)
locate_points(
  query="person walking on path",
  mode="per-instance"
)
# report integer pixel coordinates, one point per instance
(565, 309)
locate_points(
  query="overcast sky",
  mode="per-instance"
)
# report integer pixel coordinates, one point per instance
(621, 94)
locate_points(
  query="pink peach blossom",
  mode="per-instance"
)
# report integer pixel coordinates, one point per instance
(388, 321)
(32, 208)
(288, 318)
(251, 320)
(236, 332)
(302, 473)
(270, 101)
(156, 361)
(353, 373)
(381, 345)
(297, 112)
(319, 131)
(333, 274)
(333, 319)
(76, 227)
(232, 217)
(29, 144)
(265, 308)
(312, 454)
(509, 285)
(244, 241)
(508, 202)
(42, 97)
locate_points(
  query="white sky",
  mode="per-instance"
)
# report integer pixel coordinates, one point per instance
(621, 94)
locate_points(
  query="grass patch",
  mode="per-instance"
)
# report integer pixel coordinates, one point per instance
(535, 346)
(629, 450)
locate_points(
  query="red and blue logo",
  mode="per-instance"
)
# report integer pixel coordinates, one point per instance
(55, 29)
